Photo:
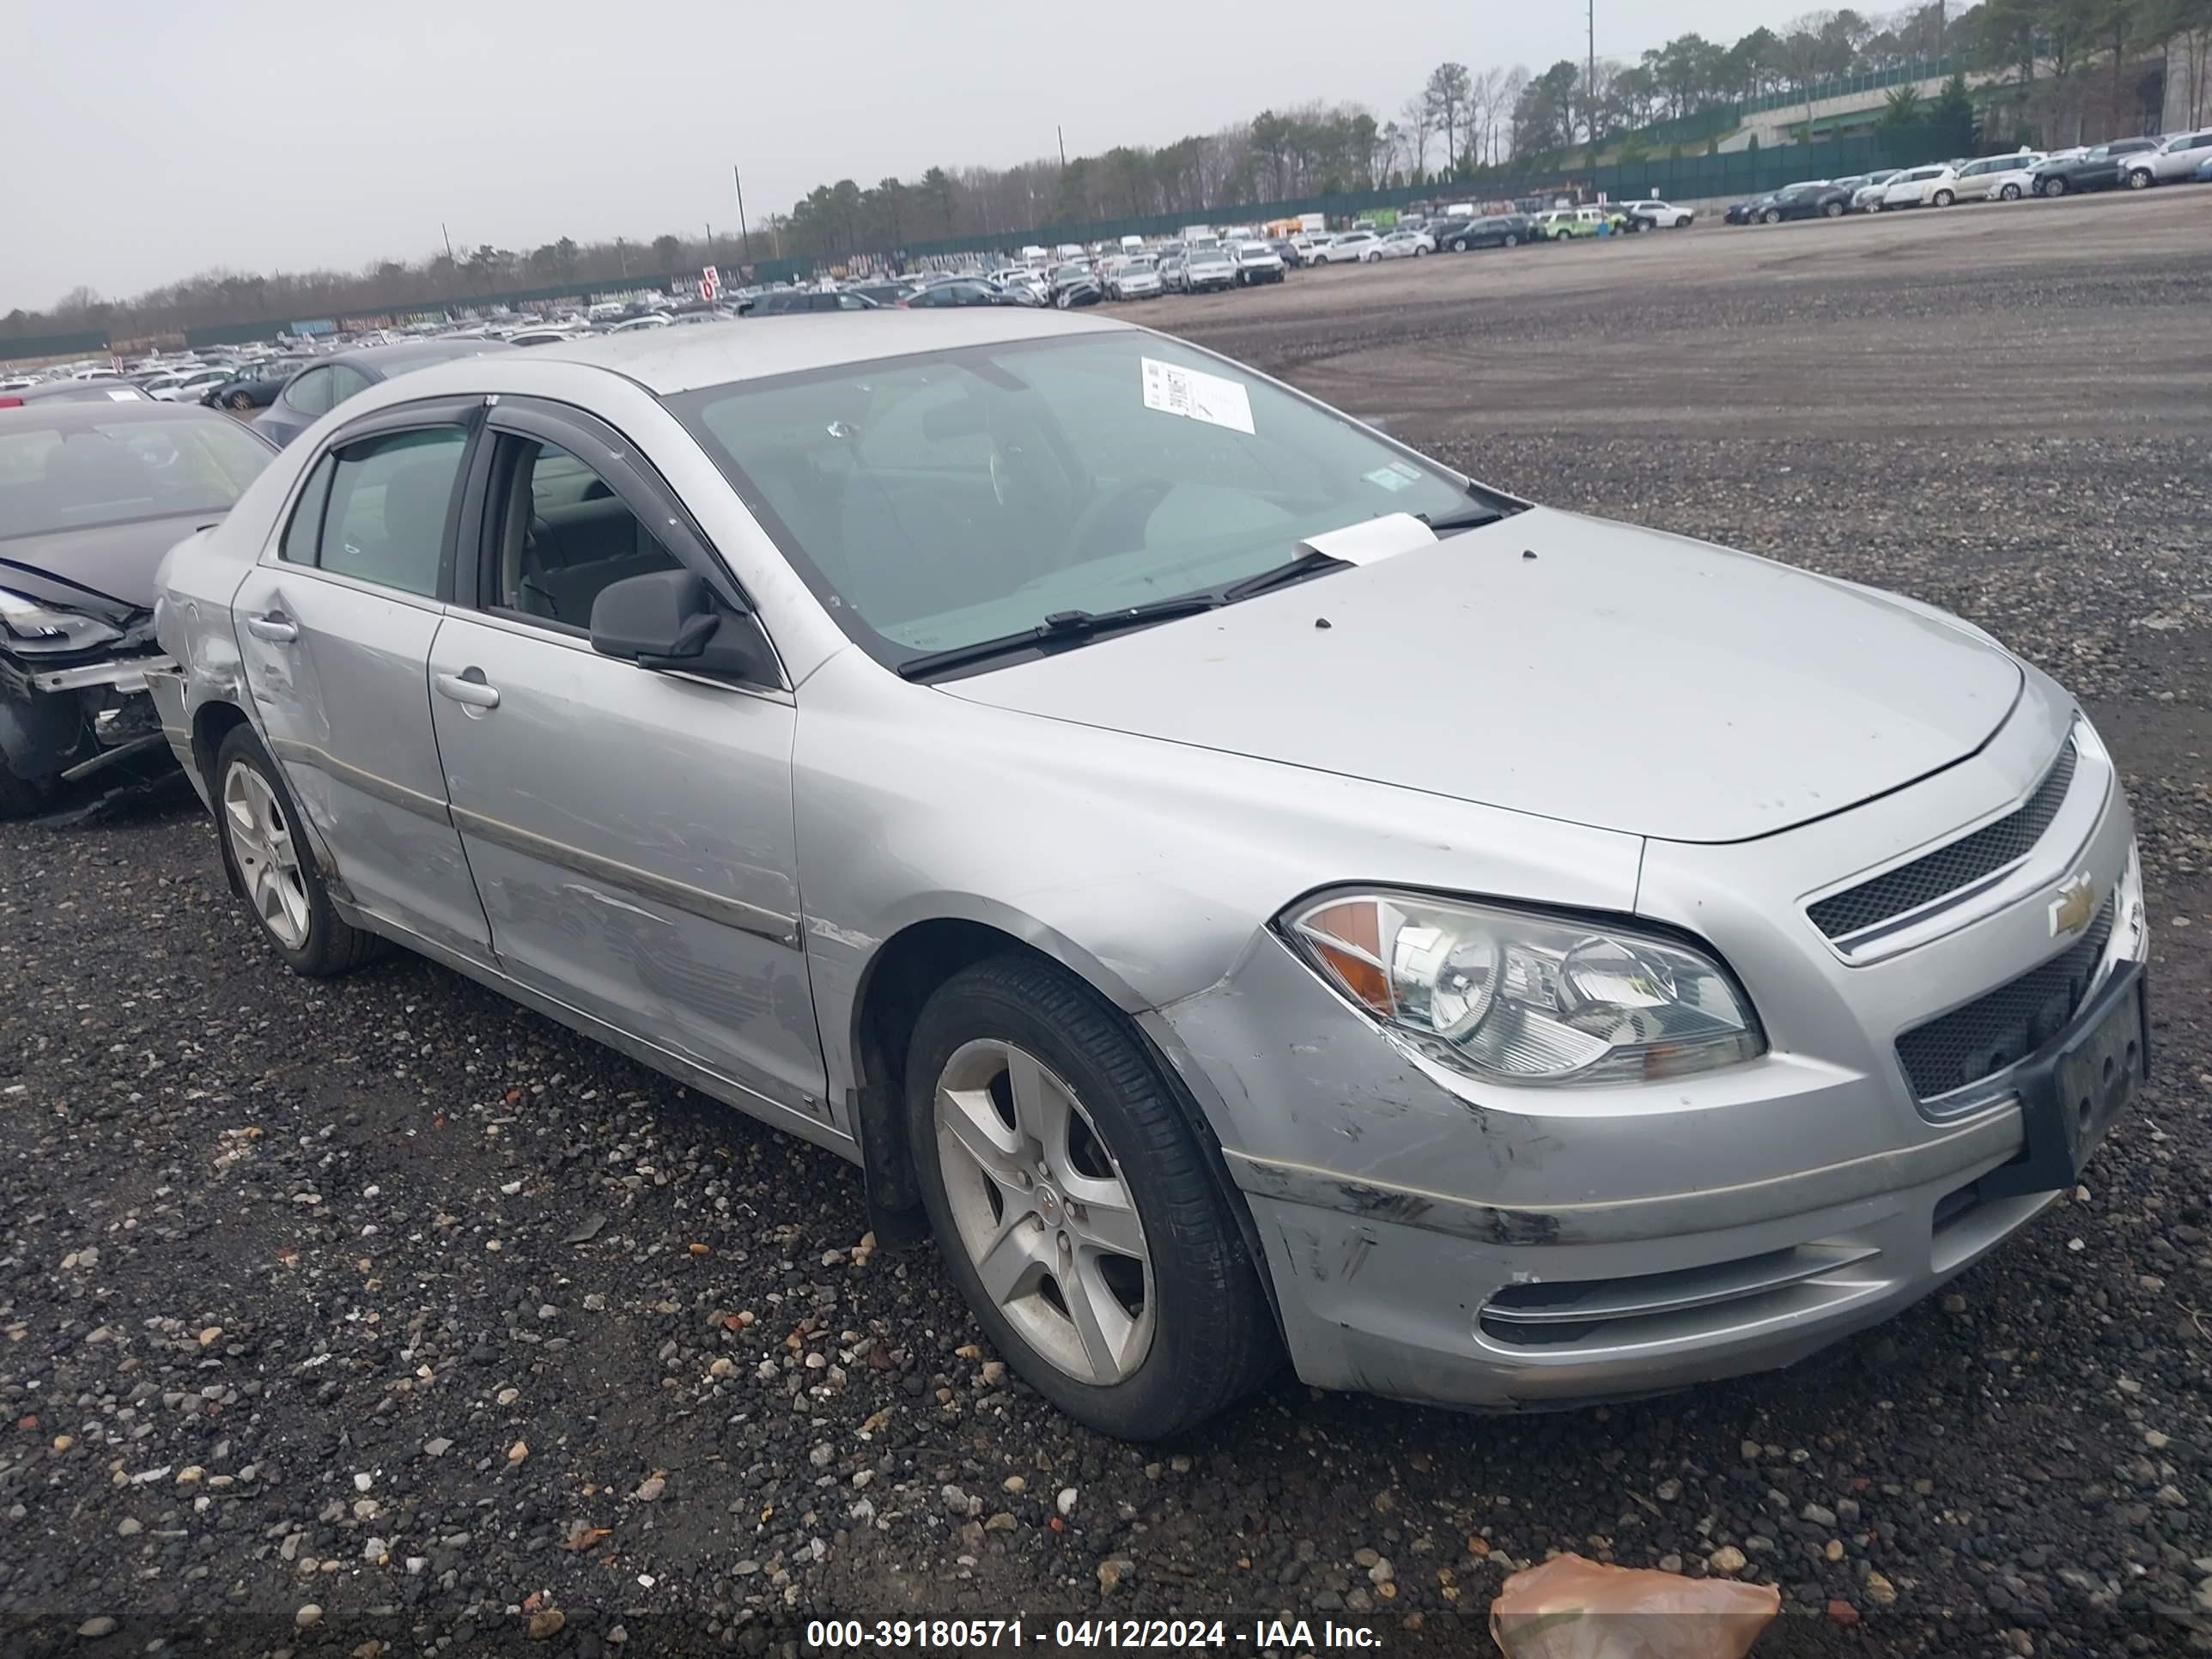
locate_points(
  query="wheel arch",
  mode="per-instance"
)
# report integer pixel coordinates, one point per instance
(211, 723)
(898, 979)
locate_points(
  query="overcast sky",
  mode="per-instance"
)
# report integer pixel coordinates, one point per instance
(149, 139)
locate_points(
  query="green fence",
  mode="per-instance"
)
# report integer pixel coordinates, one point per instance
(1920, 69)
(25, 348)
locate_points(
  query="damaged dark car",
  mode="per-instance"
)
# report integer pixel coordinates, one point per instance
(91, 495)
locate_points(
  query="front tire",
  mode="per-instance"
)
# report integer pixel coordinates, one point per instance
(2054, 187)
(2139, 181)
(1833, 210)
(1075, 1206)
(2009, 193)
(1774, 216)
(1944, 199)
(21, 797)
(240, 402)
(271, 865)
(1511, 241)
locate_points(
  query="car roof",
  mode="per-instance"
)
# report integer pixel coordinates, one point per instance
(67, 414)
(716, 354)
(385, 358)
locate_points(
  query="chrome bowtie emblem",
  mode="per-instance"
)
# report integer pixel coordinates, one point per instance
(2075, 908)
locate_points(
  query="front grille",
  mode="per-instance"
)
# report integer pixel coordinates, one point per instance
(2006, 1025)
(1948, 869)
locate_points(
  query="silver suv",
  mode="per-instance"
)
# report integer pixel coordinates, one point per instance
(2175, 162)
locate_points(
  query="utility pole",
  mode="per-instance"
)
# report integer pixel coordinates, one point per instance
(1589, 82)
(1061, 133)
(448, 235)
(743, 235)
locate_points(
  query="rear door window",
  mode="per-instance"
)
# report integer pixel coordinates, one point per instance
(389, 496)
(312, 393)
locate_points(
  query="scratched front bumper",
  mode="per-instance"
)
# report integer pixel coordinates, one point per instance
(1416, 1226)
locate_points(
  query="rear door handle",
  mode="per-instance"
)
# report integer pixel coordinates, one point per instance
(468, 687)
(276, 626)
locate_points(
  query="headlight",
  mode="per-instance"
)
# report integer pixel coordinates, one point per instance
(1517, 997)
(31, 626)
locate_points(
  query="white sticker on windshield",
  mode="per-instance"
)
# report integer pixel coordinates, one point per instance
(121, 397)
(1389, 478)
(1195, 396)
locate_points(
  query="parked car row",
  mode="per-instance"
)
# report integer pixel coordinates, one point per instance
(2129, 163)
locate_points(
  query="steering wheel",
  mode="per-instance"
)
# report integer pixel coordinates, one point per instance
(1139, 496)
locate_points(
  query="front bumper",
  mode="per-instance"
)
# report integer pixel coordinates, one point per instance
(68, 723)
(1433, 1238)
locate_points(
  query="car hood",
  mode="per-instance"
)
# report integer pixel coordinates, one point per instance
(116, 563)
(1563, 667)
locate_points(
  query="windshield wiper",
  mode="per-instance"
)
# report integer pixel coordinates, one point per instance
(1072, 626)
(1309, 563)
(1466, 517)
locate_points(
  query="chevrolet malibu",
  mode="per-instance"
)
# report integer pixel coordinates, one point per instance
(1248, 887)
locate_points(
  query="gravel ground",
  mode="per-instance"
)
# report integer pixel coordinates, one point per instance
(388, 1300)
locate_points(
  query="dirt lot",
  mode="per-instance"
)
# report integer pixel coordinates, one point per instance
(290, 1316)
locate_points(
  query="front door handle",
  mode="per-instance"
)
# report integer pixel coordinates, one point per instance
(468, 687)
(276, 626)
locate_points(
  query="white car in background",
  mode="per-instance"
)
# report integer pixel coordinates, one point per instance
(1988, 179)
(1867, 197)
(1353, 247)
(1407, 244)
(1932, 186)
(2013, 178)
(1134, 277)
(186, 386)
(1659, 215)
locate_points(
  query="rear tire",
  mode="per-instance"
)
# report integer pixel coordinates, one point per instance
(1833, 210)
(268, 860)
(1772, 216)
(1147, 1346)
(1510, 240)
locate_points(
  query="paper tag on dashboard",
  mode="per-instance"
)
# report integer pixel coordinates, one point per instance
(1196, 396)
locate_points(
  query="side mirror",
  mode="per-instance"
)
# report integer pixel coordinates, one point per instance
(672, 619)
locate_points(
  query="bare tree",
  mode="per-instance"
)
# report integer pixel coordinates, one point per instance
(1486, 98)
(1414, 119)
(1802, 52)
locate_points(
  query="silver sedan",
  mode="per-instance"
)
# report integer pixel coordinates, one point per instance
(1250, 888)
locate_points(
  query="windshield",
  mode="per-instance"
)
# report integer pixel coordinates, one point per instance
(938, 501)
(51, 480)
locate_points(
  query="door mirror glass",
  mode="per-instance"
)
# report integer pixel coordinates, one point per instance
(672, 619)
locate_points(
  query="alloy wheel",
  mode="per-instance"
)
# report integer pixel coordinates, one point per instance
(1041, 1209)
(268, 859)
